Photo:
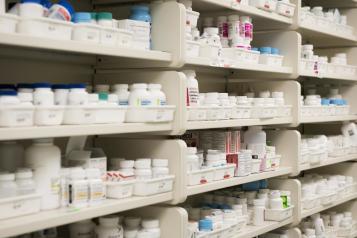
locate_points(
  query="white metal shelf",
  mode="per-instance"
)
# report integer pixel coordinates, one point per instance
(17, 133)
(321, 119)
(19, 40)
(58, 217)
(193, 190)
(253, 231)
(198, 125)
(329, 161)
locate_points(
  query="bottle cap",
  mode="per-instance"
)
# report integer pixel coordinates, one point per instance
(150, 223)
(60, 86)
(68, 6)
(109, 221)
(104, 16)
(7, 177)
(79, 17)
(25, 85)
(8, 93)
(42, 85)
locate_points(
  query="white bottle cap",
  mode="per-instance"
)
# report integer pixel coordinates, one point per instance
(117, 87)
(154, 86)
(211, 30)
(264, 94)
(126, 164)
(150, 223)
(132, 222)
(307, 47)
(139, 86)
(144, 163)
(160, 163)
(7, 177)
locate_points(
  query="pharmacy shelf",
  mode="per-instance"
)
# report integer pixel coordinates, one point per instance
(193, 190)
(46, 219)
(329, 161)
(333, 3)
(199, 125)
(330, 76)
(322, 119)
(320, 208)
(19, 40)
(17, 133)
(253, 231)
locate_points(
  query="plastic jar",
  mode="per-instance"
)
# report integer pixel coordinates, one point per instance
(25, 182)
(109, 228)
(123, 93)
(211, 99)
(192, 92)
(152, 226)
(246, 28)
(46, 171)
(82, 17)
(78, 188)
(140, 13)
(139, 96)
(258, 212)
(275, 200)
(308, 52)
(132, 222)
(222, 24)
(143, 174)
(9, 98)
(43, 95)
(61, 94)
(105, 19)
(255, 139)
(159, 172)
(158, 96)
(82, 229)
(234, 34)
(77, 95)
(12, 155)
(193, 161)
(96, 186)
(62, 10)
(8, 186)
(31, 8)
(143, 163)
(223, 99)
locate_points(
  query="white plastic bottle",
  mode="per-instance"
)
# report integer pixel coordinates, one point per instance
(349, 130)
(8, 187)
(318, 224)
(193, 161)
(123, 93)
(44, 159)
(31, 8)
(77, 95)
(109, 227)
(152, 226)
(12, 155)
(43, 95)
(78, 188)
(96, 186)
(158, 96)
(255, 140)
(234, 34)
(222, 24)
(258, 212)
(139, 96)
(25, 182)
(192, 92)
(61, 94)
(82, 229)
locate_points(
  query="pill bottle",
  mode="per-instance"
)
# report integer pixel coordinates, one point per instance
(192, 92)
(193, 161)
(258, 212)
(82, 17)
(156, 163)
(152, 226)
(139, 96)
(31, 8)
(62, 10)
(82, 229)
(43, 95)
(234, 35)
(158, 96)
(255, 139)
(212, 99)
(222, 24)
(8, 186)
(275, 200)
(46, 171)
(140, 13)
(25, 93)
(25, 182)
(132, 222)
(246, 28)
(105, 19)
(64, 179)
(77, 95)
(159, 172)
(143, 174)
(308, 52)
(123, 93)
(93, 99)
(143, 163)
(109, 227)
(12, 155)
(9, 97)
(96, 186)
(61, 94)
(78, 188)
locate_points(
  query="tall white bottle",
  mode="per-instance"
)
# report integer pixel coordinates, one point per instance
(45, 160)
(192, 92)
(349, 130)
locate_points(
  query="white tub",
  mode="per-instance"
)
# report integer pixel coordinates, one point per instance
(108, 36)
(241, 112)
(16, 116)
(49, 115)
(196, 113)
(86, 32)
(154, 186)
(201, 176)
(119, 190)
(77, 115)
(224, 172)
(278, 214)
(19, 206)
(150, 114)
(271, 60)
(110, 114)
(267, 5)
(8, 23)
(125, 38)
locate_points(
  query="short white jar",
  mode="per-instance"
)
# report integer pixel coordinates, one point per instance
(139, 96)
(61, 94)
(143, 163)
(151, 226)
(31, 9)
(25, 182)
(275, 200)
(158, 96)
(143, 174)
(159, 172)
(9, 97)
(8, 186)
(123, 93)
(77, 95)
(43, 95)
(109, 228)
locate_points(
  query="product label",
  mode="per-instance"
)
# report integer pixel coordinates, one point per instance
(145, 102)
(223, 30)
(248, 31)
(78, 193)
(96, 191)
(55, 185)
(233, 30)
(123, 102)
(193, 96)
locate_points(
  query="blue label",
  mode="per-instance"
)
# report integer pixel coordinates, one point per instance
(123, 102)
(145, 102)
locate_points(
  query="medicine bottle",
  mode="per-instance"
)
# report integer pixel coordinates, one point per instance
(78, 188)
(62, 10)
(192, 92)
(222, 24)
(77, 95)
(82, 229)
(123, 93)
(43, 95)
(96, 186)
(234, 31)
(158, 96)
(139, 96)
(8, 186)
(61, 94)
(109, 228)
(151, 226)
(258, 212)
(31, 8)
(140, 13)
(105, 19)
(255, 139)
(25, 182)
(193, 161)
(25, 93)
(46, 172)
(275, 200)
(8, 97)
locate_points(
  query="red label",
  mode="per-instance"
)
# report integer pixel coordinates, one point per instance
(226, 176)
(203, 181)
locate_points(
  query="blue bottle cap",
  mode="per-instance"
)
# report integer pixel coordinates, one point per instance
(68, 6)
(60, 86)
(7, 86)
(77, 85)
(339, 102)
(255, 49)
(31, 1)
(252, 186)
(325, 101)
(24, 85)
(275, 51)
(265, 50)
(46, 3)
(82, 17)
(140, 7)
(263, 184)
(8, 93)
(215, 206)
(225, 207)
(333, 101)
(205, 225)
(41, 85)
(344, 101)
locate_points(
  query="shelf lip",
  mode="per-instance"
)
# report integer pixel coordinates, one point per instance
(329, 161)
(206, 62)
(197, 189)
(17, 133)
(322, 119)
(71, 46)
(198, 125)
(329, 76)
(253, 231)
(250, 10)
(314, 30)
(322, 208)
(46, 219)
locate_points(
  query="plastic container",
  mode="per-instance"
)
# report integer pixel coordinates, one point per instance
(196, 113)
(201, 176)
(86, 32)
(224, 172)
(31, 8)
(82, 229)
(48, 115)
(192, 18)
(158, 97)
(150, 114)
(192, 49)
(8, 23)
(278, 214)
(77, 115)
(119, 190)
(109, 227)
(25, 182)
(8, 186)
(267, 5)
(62, 10)
(43, 95)
(105, 19)
(192, 91)
(285, 8)
(154, 186)
(19, 206)
(125, 38)
(16, 116)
